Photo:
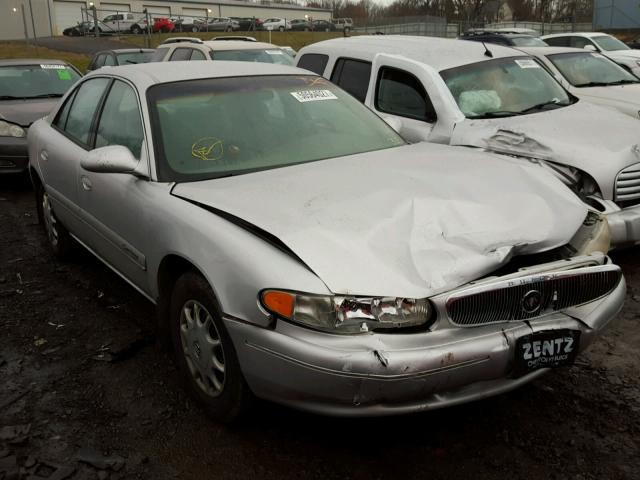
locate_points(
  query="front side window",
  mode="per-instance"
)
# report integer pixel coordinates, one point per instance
(219, 127)
(180, 54)
(581, 42)
(36, 81)
(400, 93)
(504, 87)
(120, 122)
(352, 76)
(610, 44)
(558, 41)
(314, 62)
(584, 69)
(83, 109)
(109, 60)
(268, 55)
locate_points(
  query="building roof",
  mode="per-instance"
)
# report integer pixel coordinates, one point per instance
(439, 53)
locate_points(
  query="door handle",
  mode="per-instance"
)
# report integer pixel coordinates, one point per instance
(44, 155)
(86, 183)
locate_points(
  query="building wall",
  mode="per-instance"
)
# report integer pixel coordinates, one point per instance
(12, 22)
(614, 14)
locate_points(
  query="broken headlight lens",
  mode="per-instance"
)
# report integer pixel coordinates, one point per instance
(11, 130)
(338, 314)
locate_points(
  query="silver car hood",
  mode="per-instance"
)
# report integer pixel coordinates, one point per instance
(623, 94)
(571, 135)
(631, 54)
(411, 221)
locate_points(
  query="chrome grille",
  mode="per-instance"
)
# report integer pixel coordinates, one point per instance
(504, 301)
(628, 184)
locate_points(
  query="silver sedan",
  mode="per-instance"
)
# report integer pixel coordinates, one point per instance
(298, 250)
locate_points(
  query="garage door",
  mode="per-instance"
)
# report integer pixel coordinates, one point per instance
(66, 14)
(191, 13)
(155, 11)
(109, 8)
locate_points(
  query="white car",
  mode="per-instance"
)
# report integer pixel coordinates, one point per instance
(496, 98)
(591, 76)
(118, 22)
(280, 24)
(606, 44)
(299, 250)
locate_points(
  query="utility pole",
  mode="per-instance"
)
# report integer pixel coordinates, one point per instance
(33, 24)
(24, 23)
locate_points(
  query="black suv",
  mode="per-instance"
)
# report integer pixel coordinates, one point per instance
(506, 38)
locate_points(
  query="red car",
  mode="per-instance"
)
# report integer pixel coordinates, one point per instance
(163, 25)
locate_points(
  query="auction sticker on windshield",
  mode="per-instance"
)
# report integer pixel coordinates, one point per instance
(53, 67)
(313, 95)
(527, 63)
(546, 349)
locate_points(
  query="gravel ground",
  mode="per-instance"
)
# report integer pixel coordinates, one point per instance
(85, 393)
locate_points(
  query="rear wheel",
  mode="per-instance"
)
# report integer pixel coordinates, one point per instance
(57, 236)
(228, 29)
(204, 351)
(136, 29)
(194, 29)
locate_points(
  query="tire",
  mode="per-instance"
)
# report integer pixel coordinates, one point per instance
(228, 29)
(327, 29)
(194, 29)
(224, 393)
(347, 29)
(58, 237)
(281, 29)
(306, 29)
(136, 29)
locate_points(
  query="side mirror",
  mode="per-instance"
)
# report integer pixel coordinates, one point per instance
(393, 122)
(110, 159)
(590, 48)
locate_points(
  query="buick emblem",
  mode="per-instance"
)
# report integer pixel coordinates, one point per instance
(532, 301)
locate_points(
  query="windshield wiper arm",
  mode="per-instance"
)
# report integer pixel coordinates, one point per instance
(593, 84)
(540, 106)
(496, 114)
(623, 82)
(45, 95)
(10, 97)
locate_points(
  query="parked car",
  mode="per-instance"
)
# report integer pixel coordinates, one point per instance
(190, 48)
(187, 24)
(592, 77)
(221, 24)
(280, 24)
(508, 38)
(301, 25)
(82, 28)
(634, 43)
(289, 50)
(338, 281)
(494, 98)
(323, 26)
(344, 24)
(119, 22)
(163, 25)
(248, 24)
(122, 56)
(607, 45)
(29, 89)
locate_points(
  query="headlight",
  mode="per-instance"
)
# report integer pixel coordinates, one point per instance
(338, 314)
(580, 182)
(11, 130)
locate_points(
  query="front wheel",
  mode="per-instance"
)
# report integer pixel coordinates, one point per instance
(204, 351)
(281, 29)
(136, 30)
(194, 29)
(57, 236)
(229, 29)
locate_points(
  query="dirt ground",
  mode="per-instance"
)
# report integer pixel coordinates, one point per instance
(91, 396)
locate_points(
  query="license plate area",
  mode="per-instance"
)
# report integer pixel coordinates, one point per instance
(546, 349)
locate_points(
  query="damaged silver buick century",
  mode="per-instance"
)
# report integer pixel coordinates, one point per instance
(498, 99)
(298, 250)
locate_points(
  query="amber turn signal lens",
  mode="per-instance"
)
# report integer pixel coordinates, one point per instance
(280, 303)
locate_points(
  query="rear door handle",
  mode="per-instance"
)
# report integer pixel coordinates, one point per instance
(86, 183)
(44, 155)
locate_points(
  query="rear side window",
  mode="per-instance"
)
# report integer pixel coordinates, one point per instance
(120, 122)
(159, 54)
(314, 62)
(99, 61)
(109, 60)
(558, 41)
(352, 76)
(197, 55)
(61, 119)
(181, 54)
(580, 42)
(83, 109)
(400, 93)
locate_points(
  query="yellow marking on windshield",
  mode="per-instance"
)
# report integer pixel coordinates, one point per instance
(208, 148)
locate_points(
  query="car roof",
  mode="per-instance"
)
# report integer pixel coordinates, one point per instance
(30, 61)
(237, 45)
(127, 50)
(144, 75)
(551, 50)
(439, 53)
(577, 34)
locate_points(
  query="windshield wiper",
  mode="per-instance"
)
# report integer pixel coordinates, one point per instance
(541, 106)
(496, 114)
(9, 97)
(623, 82)
(45, 95)
(131, 61)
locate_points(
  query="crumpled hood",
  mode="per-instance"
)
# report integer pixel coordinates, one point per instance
(573, 135)
(410, 221)
(25, 112)
(622, 94)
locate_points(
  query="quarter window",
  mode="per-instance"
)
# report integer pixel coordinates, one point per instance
(197, 55)
(400, 93)
(82, 112)
(120, 122)
(99, 61)
(180, 54)
(352, 76)
(61, 119)
(159, 54)
(314, 62)
(109, 60)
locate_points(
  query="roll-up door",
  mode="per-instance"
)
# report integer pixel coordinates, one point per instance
(67, 14)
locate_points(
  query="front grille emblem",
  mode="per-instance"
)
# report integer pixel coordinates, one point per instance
(532, 301)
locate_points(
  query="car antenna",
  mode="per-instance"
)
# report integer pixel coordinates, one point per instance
(487, 52)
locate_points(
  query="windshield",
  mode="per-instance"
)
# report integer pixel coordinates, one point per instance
(30, 81)
(528, 41)
(504, 87)
(269, 55)
(134, 57)
(590, 69)
(219, 127)
(609, 44)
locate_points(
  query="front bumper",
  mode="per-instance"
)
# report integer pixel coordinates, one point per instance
(385, 374)
(624, 224)
(14, 155)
